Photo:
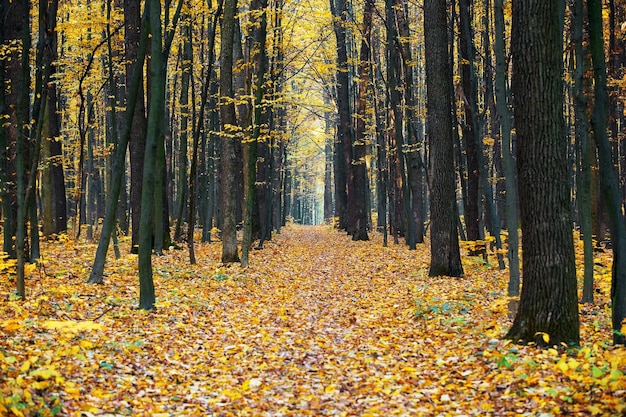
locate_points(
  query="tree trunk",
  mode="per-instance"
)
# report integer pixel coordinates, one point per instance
(608, 178)
(137, 144)
(16, 90)
(510, 176)
(358, 165)
(470, 123)
(185, 110)
(56, 202)
(394, 79)
(343, 143)
(444, 241)
(414, 161)
(229, 135)
(133, 99)
(583, 148)
(196, 139)
(548, 303)
(259, 67)
(154, 136)
(328, 168)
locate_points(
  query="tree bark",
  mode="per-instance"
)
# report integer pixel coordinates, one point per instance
(508, 163)
(108, 225)
(16, 90)
(444, 241)
(183, 178)
(583, 149)
(137, 144)
(359, 166)
(470, 122)
(608, 178)
(260, 62)
(404, 220)
(52, 173)
(343, 143)
(154, 135)
(228, 137)
(548, 302)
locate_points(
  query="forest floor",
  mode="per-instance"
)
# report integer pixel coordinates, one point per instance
(317, 325)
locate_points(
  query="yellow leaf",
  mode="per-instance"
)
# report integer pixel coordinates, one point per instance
(86, 344)
(46, 373)
(544, 336)
(25, 366)
(29, 268)
(40, 384)
(90, 409)
(595, 410)
(11, 325)
(246, 385)
(562, 365)
(17, 412)
(232, 394)
(573, 363)
(330, 389)
(71, 326)
(28, 397)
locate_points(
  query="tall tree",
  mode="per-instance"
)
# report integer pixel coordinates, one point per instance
(185, 109)
(608, 178)
(360, 187)
(250, 148)
(197, 132)
(13, 32)
(343, 142)
(15, 93)
(548, 302)
(404, 202)
(149, 204)
(583, 147)
(135, 85)
(54, 199)
(413, 155)
(470, 122)
(508, 163)
(229, 135)
(137, 144)
(444, 240)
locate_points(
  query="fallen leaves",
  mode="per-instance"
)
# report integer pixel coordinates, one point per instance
(317, 325)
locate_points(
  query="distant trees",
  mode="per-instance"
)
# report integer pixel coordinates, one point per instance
(369, 112)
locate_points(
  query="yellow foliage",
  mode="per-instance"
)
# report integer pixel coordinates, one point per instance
(316, 325)
(71, 326)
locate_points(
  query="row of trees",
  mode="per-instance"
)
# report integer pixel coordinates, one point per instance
(238, 115)
(464, 141)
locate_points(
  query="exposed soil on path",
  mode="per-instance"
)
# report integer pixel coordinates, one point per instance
(318, 325)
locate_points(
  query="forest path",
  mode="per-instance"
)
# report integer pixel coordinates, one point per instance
(331, 324)
(327, 326)
(317, 325)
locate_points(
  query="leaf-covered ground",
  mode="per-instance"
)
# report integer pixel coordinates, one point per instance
(318, 325)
